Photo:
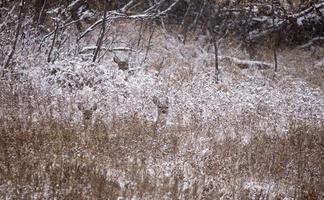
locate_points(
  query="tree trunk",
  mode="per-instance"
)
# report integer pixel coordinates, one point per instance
(13, 49)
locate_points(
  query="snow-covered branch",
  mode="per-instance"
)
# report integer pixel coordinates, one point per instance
(150, 13)
(304, 18)
(313, 41)
(244, 64)
(92, 48)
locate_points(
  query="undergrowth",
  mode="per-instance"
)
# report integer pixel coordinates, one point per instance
(126, 158)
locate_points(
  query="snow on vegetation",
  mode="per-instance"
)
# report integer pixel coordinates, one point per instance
(200, 117)
(185, 75)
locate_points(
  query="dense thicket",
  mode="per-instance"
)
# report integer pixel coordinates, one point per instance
(293, 21)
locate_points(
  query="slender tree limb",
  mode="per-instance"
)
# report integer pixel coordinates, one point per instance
(93, 48)
(91, 28)
(129, 5)
(149, 43)
(18, 28)
(149, 13)
(56, 22)
(140, 34)
(198, 15)
(53, 32)
(168, 9)
(245, 64)
(274, 39)
(40, 16)
(216, 57)
(313, 41)
(102, 34)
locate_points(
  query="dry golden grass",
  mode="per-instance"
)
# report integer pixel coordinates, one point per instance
(48, 159)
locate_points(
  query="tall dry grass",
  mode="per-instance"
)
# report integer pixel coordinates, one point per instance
(47, 158)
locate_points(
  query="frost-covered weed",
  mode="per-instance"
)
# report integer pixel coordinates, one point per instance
(254, 133)
(250, 99)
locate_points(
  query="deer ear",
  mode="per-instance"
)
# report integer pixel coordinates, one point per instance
(80, 107)
(166, 100)
(156, 100)
(116, 59)
(94, 107)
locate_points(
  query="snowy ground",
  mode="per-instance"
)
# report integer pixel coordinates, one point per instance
(243, 104)
(185, 75)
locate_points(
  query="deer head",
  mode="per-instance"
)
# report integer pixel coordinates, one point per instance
(123, 65)
(162, 110)
(87, 113)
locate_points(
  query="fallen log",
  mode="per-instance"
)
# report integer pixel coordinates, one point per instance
(245, 64)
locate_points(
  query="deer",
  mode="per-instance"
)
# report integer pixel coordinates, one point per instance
(87, 114)
(162, 112)
(122, 65)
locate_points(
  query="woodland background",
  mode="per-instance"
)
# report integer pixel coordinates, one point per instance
(161, 99)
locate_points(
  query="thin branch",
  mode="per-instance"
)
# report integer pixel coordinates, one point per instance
(149, 44)
(93, 48)
(274, 39)
(115, 14)
(18, 28)
(168, 9)
(56, 21)
(161, 18)
(51, 33)
(102, 34)
(140, 34)
(245, 64)
(198, 16)
(41, 12)
(216, 57)
(128, 6)
(91, 28)
(319, 40)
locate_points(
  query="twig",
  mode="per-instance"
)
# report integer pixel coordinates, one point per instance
(216, 57)
(169, 8)
(244, 64)
(183, 26)
(147, 14)
(161, 18)
(149, 44)
(319, 40)
(41, 12)
(18, 28)
(90, 29)
(102, 34)
(127, 6)
(274, 39)
(198, 15)
(51, 33)
(56, 21)
(140, 34)
(93, 48)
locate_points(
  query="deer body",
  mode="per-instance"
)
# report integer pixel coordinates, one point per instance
(87, 114)
(123, 65)
(162, 112)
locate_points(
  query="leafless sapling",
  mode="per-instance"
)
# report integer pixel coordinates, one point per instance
(57, 24)
(274, 38)
(102, 33)
(18, 29)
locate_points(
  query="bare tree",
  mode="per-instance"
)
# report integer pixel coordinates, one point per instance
(102, 33)
(57, 24)
(216, 56)
(149, 42)
(274, 39)
(18, 29)
(39, 10)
